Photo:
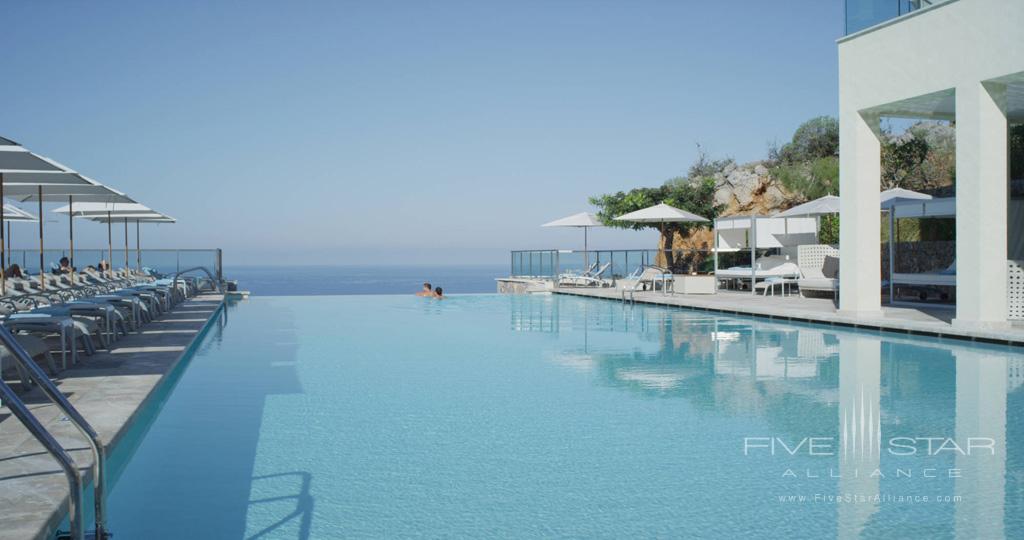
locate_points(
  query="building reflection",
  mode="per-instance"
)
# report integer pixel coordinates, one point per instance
(862, 388)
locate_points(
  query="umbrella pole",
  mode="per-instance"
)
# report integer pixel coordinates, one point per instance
(586, 252)
(8, 263)
(138, 249)
(110, 247)
(3, 254)
(42, 271)
(71, 236)
(126, 246)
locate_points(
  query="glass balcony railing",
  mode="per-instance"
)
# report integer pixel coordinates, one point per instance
(861, 14)
(550, 263)
(163, 261)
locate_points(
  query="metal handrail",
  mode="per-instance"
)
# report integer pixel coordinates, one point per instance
(31, 423)
(174, 284)
(95, 445)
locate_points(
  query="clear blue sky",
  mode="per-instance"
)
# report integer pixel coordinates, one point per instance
(355, 132)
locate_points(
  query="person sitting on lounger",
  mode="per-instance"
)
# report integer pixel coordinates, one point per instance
(103, 266)
(65, 266)
(14, 271)
(427, 290)
(439, 293)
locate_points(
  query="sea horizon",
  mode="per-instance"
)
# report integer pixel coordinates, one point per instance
(364, 279)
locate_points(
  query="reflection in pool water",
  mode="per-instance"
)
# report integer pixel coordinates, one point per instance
(544, 416)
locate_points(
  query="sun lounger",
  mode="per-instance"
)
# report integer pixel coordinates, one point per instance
(819, 269)
(590, 278)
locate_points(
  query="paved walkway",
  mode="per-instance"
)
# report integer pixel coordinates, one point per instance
(108, 389)
(933, 321)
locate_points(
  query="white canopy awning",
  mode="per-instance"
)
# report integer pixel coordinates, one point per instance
(733, 233)
(922, 208)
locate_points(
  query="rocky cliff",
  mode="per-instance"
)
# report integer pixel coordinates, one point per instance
(745, 190)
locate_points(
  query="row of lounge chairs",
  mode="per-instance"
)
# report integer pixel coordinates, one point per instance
(816, 272)
(66, 316)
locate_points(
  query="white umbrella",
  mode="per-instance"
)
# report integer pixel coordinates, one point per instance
(583, 220)
(828, 204)
(662, 213)
(91, 191)
(118, 212)
(29, 170)
(13, 213)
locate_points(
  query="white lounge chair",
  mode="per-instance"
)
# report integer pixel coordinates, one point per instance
(649, 274)
(586, 279)
(819, 269)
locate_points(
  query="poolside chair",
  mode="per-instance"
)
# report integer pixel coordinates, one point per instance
(591, 278)
(37, 349)
(571, 274)
(819, 269)
(649, 275)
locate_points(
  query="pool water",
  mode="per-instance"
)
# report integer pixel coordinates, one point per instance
(552, 416)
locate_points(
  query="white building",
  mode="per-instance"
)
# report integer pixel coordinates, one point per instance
(960, 60)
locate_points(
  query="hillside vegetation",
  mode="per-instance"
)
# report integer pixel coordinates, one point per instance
(921, 158)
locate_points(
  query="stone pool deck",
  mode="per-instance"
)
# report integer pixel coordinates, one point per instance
(109, 389)
(909, 320)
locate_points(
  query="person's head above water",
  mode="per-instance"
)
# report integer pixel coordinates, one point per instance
(427, 286)
(439, 292)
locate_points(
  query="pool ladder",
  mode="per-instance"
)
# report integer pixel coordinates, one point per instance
(74, 477)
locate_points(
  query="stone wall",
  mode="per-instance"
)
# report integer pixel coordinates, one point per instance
(919, 257)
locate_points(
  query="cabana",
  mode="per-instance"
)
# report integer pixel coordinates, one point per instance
(736, 233)
(904, 207)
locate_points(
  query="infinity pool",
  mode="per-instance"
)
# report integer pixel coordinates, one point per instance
(549, 416)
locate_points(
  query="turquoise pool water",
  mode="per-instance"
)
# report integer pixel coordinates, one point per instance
(549, 416)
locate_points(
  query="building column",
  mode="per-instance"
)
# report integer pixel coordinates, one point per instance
(860, 237)
(981, 197)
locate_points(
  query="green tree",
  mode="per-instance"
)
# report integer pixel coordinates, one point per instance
(811, 179)
(902, 160)
(695, 195)
(815, 138)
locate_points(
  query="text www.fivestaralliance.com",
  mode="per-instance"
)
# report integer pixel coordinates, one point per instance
(851, 498)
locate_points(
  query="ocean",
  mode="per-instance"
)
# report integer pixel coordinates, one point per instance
(363, 279)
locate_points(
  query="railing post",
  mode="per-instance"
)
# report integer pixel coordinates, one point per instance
(220, 265)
